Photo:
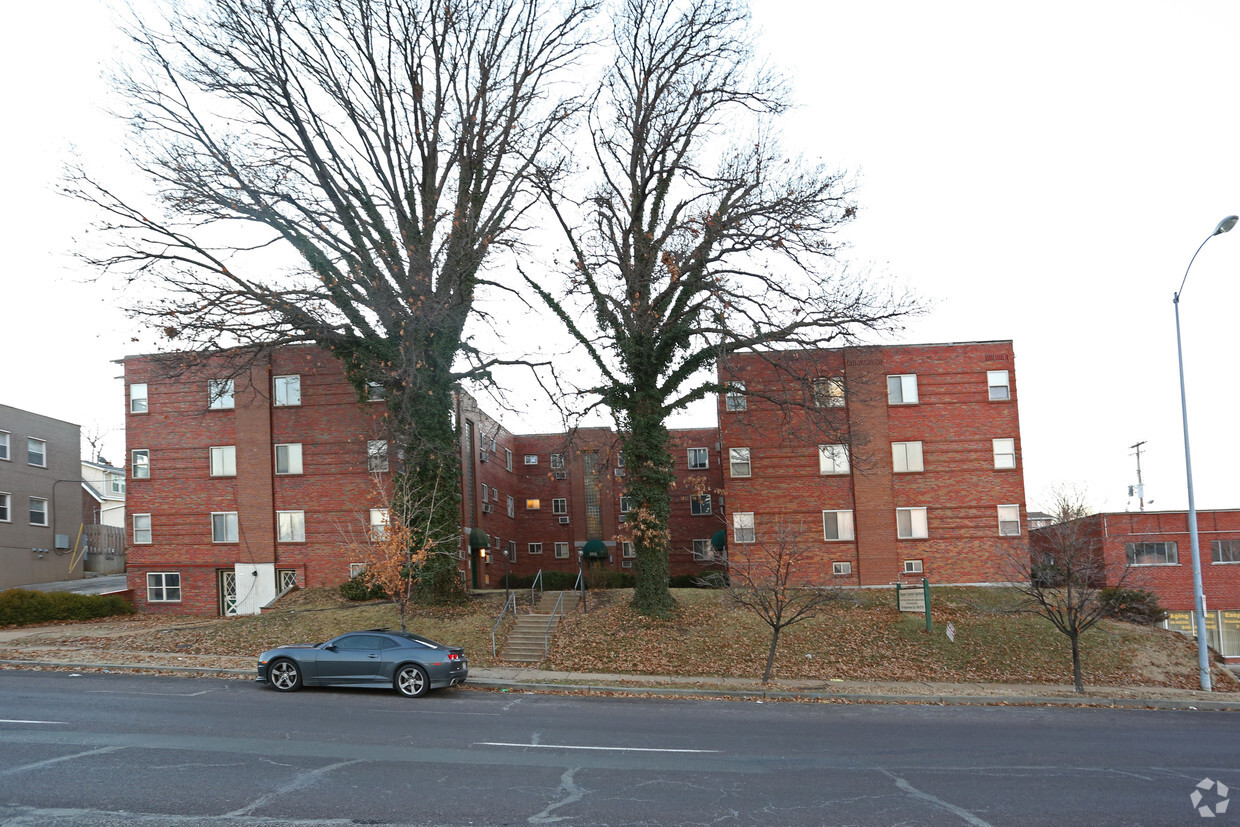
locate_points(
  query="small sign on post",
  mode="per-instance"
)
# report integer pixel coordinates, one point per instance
(951, 632)
(915, 600)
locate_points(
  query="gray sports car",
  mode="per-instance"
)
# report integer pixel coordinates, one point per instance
(408, 663)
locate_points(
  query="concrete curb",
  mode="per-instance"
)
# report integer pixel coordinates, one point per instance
(736, 694)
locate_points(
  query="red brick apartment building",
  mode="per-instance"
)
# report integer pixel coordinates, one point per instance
(1156, 545)
(242, 487)
(888, 462)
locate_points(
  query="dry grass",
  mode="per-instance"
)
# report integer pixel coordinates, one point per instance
(862, 639)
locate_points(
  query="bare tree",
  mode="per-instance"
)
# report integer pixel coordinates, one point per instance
(338, 172)
(1064, 574)
(699, 239)
(767, 583)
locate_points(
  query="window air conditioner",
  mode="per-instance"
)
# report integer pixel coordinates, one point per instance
(563, 521)
(561, 475)
(483, 456)
(487, 508)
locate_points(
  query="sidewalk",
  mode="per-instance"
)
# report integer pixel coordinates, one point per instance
(22, 649)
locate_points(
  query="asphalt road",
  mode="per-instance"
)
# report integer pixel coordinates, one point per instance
(133, 750)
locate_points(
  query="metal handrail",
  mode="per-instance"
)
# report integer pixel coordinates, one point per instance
(536, 586)
(580, 586)
(547, 631)
(511, 601)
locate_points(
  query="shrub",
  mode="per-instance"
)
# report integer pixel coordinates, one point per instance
(709, 579)
(23, 607)
(1133, 605)
(356, 588)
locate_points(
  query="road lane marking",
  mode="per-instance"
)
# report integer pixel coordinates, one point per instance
(18, 721)
(605, 749)
(50, 761)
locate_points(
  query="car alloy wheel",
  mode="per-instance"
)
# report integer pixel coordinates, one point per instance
(411, 681)
(285, 676)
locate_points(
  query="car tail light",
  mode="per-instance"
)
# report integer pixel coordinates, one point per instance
(454, 656)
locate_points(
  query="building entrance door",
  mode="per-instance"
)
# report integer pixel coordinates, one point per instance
(228, 592)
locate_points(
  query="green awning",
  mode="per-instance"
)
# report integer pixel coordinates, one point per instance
(594, 550)
(478, 539)
(720, 540)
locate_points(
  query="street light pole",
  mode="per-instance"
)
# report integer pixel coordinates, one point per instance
(506, 596)
(1199, 600)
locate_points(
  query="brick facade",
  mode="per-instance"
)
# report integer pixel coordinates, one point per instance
(1172, 581)
(943, 411)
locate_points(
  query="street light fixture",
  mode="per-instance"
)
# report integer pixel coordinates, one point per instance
(1199, 600)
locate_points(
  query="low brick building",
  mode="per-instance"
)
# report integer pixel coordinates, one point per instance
(1155, 544)
(883, 462)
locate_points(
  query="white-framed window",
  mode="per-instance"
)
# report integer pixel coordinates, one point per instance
(163, 587)
(355, 569)
(912, 567)
(378, 523)
(36, 452)
(531, 459)
(832, 459)
(699, 458)
(6, 507)
(911, 524)
(743, 527)
(561, 551)
(534, 548)
(38, 511)
(837, 525)
(512, 506)
(484, 492)
(286, 391)
(375, 392)
(116, 483)
(140, 464)
(828, 392)
(559, 505)
(533, 505)
(1225, 551)
(906, 457)
(902, 389)
(220, 394)
(291, 526)
(137, 398)
(1152, 554)
(224, 526)
(735, 398)
(376, 455)
(702, 551)
(738, 462)
(626, 504)
(841, 568)
(223, 460)
(141, 529)
(1005, 452)
(507, 459)
(626, 550)
(288, 458)
(699, 504)
(998, 385)
(4, 444)
(1009, 521)
(557, 461)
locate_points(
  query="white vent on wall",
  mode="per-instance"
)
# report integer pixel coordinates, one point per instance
(563, 521)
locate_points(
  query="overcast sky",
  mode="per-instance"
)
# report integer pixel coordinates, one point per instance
(1043, 173)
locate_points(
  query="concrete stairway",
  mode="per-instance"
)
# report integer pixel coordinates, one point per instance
(526, 640)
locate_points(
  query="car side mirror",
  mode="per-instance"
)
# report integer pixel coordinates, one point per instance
(331, 647)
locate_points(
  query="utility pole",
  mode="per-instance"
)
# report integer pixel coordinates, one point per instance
(1140, 485)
